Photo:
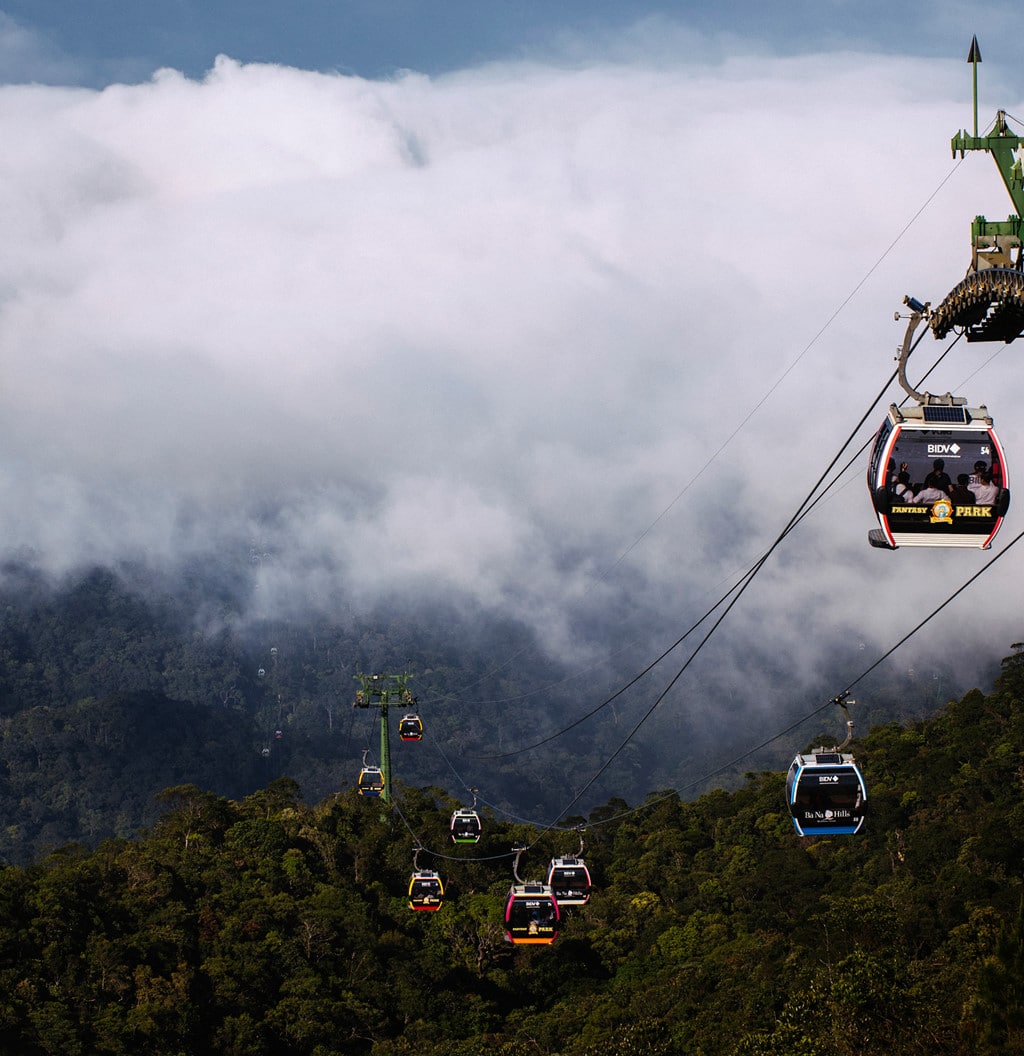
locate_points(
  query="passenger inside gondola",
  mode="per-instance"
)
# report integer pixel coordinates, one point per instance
(961, 493)
(533, 914)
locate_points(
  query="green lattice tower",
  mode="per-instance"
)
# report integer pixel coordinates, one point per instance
(988, 305)
(381, 691)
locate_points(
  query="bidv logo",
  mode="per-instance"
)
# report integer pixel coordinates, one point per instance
(944, 449)
(825, 778)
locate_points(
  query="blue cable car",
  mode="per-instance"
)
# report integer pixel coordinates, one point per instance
(826, 794)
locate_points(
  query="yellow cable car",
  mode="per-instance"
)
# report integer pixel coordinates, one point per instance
(371, 781)
(426, 890)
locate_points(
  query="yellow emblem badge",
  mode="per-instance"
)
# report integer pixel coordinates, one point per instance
(942, 512)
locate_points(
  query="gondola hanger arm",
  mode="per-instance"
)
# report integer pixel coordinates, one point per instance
(519, 851)
(843, 700)
(918, 314)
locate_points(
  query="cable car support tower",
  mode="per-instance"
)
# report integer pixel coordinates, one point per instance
(382, 691)
(988, 305)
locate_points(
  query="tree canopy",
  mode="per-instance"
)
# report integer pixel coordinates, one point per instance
(263, 925)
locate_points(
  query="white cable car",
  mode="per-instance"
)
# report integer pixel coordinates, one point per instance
(937, 477)
(569, 880)
(465, 826)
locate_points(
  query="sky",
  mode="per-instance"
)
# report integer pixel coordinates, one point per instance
(560, 310)
(63, 42)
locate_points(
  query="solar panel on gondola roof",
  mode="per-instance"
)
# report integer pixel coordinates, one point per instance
(945, 414)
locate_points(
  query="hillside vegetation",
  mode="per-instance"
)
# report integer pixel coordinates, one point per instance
(115, 684)
(264, 926)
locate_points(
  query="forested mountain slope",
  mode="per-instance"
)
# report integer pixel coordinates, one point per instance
(264, 926)
(115, 684)
(84, 771)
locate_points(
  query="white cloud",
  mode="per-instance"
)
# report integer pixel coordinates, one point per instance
(475, 333)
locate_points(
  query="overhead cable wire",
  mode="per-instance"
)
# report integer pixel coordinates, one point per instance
(741, 585)
(745, 583)
(813, 497)
(746, 754)
(981, 571)
(815, 494)
(801, 515)
(632, 682)
(808, 503)
(760, 403)
(730, 764)
(782, 377)
(724, 767)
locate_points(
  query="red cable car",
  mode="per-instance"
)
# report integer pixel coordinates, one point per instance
(531, 915)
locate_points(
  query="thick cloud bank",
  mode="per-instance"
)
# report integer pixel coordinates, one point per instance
(478, 335)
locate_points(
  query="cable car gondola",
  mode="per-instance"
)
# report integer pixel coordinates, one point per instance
(569, 880)
(531, 915)
(937, 477)
(410, 727)
(465, 826)
(826, 794)
(825, 790)
(426, 890)
(371, 781)
(968, 496)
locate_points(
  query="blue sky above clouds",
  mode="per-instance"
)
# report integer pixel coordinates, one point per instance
(113, 40)
(460, 298)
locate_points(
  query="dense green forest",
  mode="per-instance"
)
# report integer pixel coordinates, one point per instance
(266, 926)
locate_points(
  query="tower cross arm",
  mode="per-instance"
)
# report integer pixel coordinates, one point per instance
(1006, 148)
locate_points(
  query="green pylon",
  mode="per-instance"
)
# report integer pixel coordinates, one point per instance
(379, 691)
